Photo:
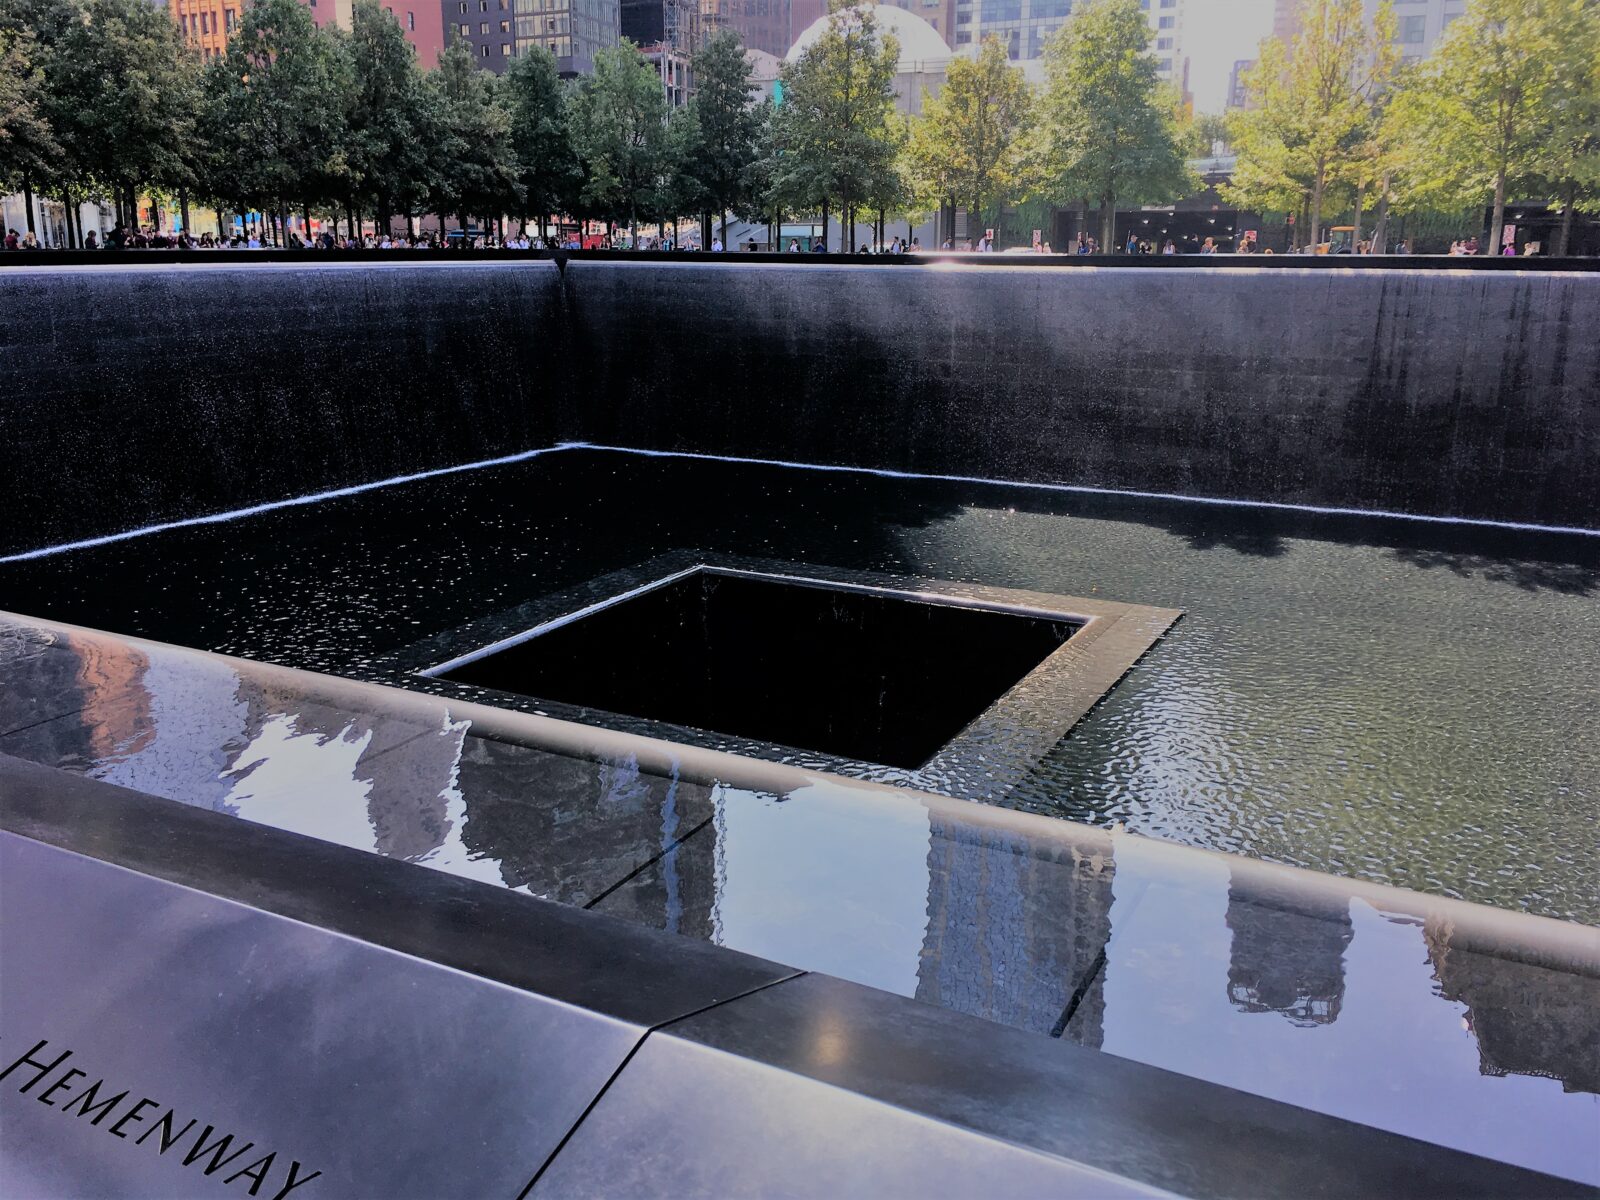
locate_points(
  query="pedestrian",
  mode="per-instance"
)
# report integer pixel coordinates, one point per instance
(90, 242)
(1170, 248)
(716, 245)
(12, 240)
(915, 247)
(1209, 246)
(819, 246)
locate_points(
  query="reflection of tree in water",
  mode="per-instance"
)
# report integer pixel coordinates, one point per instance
(1287, 954)
(1527, 1019)
(1017, 929)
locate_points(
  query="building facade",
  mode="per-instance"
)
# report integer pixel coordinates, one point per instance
(207, 24)
(1420, 22)
(496, 31)
(1026, 25)
(761, 24)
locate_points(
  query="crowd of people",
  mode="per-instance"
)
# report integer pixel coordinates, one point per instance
(253, 238)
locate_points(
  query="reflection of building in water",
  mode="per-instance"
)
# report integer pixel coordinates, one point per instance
(1528, 1019)
(566, 827)
(1016, 928)
(1288, 953)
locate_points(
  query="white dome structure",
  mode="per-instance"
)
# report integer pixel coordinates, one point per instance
(924, 55)
(921, 47)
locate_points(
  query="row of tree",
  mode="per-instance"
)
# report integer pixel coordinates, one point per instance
(1507, 106)
(102, 99)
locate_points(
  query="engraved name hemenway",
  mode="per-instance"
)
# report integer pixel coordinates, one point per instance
(208, 1148)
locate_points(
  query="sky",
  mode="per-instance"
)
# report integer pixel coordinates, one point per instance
(1216, 34)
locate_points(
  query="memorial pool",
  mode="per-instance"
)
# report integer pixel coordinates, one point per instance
(1392, 700)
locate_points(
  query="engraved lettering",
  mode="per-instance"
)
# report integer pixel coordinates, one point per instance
(90, 1102)
(168, 1138)
(44, 1068)
(215, 1150)
(256, 1171)
(294, 1180)
(64, 1081)
(131, 1115)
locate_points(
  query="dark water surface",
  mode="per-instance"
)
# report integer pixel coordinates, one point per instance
(1407, 703)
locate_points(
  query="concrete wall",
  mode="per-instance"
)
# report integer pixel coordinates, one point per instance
(140, 394)
(130, 395)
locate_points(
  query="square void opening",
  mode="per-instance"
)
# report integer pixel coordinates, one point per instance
(865, 675)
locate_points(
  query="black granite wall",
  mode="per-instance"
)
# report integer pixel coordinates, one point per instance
(1440, 392)
(132, 395)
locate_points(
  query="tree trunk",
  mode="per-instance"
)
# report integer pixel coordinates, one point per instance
(1498, 222)
(27, 202)
(1108, 225)
(824, 224)
(183, 208)
(1380, 231)
(1564, 232)
(1361, 203)
(1317, 189)
(723, 214)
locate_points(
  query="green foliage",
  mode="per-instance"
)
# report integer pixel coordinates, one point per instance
(1478, 118)
(475, 170)
(967, 147)
(276, 107)
(1313, 120)
(621, 132)
(720, 136)
(835, 137)
(28, 146)
(548, 171)
(1109, 132)
(389, 118)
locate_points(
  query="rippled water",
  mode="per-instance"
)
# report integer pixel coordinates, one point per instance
(1406, 703)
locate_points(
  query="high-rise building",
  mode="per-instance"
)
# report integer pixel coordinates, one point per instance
(938, 13)
(761, 24)
(496, 31)
(1420, 22)
(1238, 94)
(1026, 25)
(207, 24)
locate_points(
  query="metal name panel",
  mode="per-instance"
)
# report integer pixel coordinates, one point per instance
(156, 1041)
(821, 1087)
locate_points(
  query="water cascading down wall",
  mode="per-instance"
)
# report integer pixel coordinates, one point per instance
(132, 395)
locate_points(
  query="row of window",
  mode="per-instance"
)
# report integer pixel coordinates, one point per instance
(201, 23)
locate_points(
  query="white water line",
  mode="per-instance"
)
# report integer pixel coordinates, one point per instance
(271, 505)
(1084, 489)
(880, 472)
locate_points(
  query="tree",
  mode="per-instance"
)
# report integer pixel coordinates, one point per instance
(1108, 130)
(1476, 114)
(475, 169)
(833, 137)
(622, 134)
(276, 108)
(968, 147)
(547, 168)
(725, 127)
(388, 121)
(28, 147)
(1571, 158)
(1313, 115)
(126, 93)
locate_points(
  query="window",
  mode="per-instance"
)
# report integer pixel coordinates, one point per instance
(411, 21)
(963, 18)
(483, 50)
(505, 26)
(205, 22)
(963, 38)
(1163, 43)
(1169, 3)
(1167, 22)
(463, 5)
(1164, 66)
(466, 31)
(1413, 29)
(483, 27)
(232, 18)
